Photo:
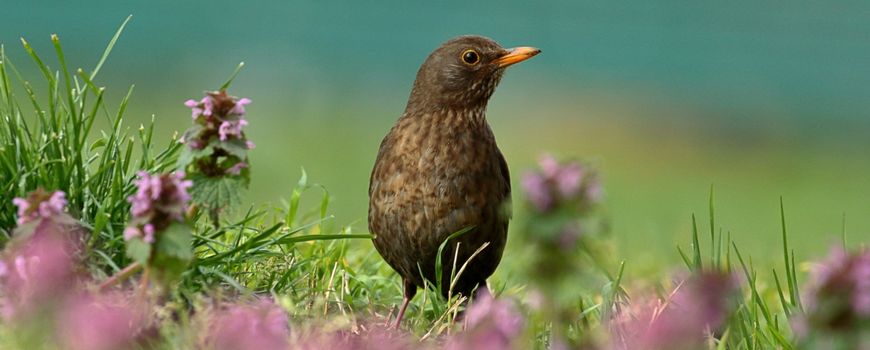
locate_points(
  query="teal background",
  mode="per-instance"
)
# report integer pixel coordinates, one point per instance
(762, 99)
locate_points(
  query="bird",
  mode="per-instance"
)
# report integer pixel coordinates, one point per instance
(438, 171)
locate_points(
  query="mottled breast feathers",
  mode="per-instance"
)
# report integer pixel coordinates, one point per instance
(437, 173)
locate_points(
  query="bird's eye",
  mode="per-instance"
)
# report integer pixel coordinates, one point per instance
(470, 57)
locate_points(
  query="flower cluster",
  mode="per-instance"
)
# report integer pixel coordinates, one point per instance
(557, 184)
(260, 325)
(838, 295)
(490, 324)
(40, 204)
(159, 201)
(34, 274)
(561, 197)
(700, 305)
(560, 194)
(217, 145)
(102, 322)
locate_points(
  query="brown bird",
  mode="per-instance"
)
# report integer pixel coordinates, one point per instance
(439, 171)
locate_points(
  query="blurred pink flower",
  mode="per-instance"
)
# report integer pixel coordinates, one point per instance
(231, 129)
(838, 293)
(101, 322)
(196, 110)
(40, 205)
(557, 183)
(131, 232)
(697, 306)
(208, 105)
(43, 271)
(159, 199)
(362, 336)
(537, 191)
(239, 108)
(260, 325)
(490, 324)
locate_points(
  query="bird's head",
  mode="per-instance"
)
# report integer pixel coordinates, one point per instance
(463, 72)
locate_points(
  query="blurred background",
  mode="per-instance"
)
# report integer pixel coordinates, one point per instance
(666, 98)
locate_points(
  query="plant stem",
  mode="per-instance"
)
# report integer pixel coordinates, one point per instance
(120, 276)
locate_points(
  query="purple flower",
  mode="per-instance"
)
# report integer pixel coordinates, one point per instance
(698, 306)
(219, 125)
(42, 270)
(149, 233)
(101, 322)
(195, 108)
(838, 293)
(159, 199)
(130, 232)
(208, 104)
(490, 324)
(364, 335)
(568, 180)
(239, 108)
(549, 165)
(40, 205)
(556, 184)
(261, 325)
(537, 191)
(231, 128)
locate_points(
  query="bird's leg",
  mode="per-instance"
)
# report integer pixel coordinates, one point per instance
(409, 291)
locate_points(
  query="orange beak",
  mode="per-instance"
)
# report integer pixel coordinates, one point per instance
(516, 55)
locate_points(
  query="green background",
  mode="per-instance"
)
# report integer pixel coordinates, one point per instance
(761, 99)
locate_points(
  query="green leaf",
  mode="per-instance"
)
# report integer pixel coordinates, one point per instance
(138, 250)
(235, 147)
(173, 253)
(176, 241)
(232, 76)
(295, 197)
(189, 155)
(216, 192)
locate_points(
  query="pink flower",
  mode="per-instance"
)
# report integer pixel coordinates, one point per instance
(22, 205)
(698, 306)
(556, 184)
(236, 169)
(131, 232)
(537, 191)
(549, 165)
(158, 198)
(195, 108)
(239, 107)
(47, 205)
(149, 233)
(230, 128)
(365, 335)
(838, 293)
(208, 106)
(250, 144)
(568, 180)
(261, 325)
(101, 322)
(490, 324)
(43, 270)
